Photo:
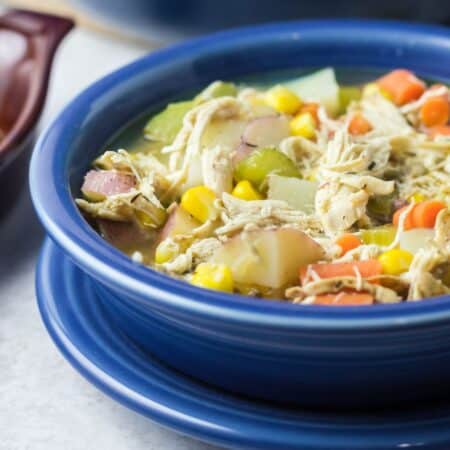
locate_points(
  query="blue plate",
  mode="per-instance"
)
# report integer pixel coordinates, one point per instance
(83, 332)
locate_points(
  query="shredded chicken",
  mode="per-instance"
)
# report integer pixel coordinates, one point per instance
(241, 215)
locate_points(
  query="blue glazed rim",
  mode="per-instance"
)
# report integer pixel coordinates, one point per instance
(54, 203)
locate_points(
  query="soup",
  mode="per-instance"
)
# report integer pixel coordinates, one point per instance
(305, 190)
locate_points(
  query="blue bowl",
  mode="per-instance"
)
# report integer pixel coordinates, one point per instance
(163, 20)
(318, 356)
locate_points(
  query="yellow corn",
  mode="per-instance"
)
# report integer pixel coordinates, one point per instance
(245, 191)
(384, 235)
(303, 125)
(213, 276)
(373, 88)
(199, 202)
(283, 100)
(395, 261)
(165, 251)
(417, 197)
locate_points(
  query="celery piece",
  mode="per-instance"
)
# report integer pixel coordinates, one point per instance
(261, 163)
(383, 236)
(165, 125)
(348, 94)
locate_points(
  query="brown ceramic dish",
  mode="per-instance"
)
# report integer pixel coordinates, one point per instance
(28, 42)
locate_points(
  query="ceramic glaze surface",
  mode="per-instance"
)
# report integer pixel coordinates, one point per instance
(322, 356)
(83, 331)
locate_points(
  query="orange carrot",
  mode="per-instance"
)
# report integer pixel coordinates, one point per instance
(312, 108)
(368, 268)
(348, 242)
(425, 213)
(443, 130)
(350, 298)
(359, 125)
(421, 215)
(435, 111)
(408, 223)
(403, 85)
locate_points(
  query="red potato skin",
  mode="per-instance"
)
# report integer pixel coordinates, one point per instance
(108, 182)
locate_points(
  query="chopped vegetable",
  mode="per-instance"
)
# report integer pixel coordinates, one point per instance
(320, 87)
(435, 111)
(415, 239)
(179, 223)
(304, 125)
(100, 184)
(213, 276)
(283, 100)
(199, 202)
(268, 257)
(403, 85)
(367, 268)
(165, 125)
(245, 191)
(344, 298)
(395, 261)
(359, 125)
(348, 242)
(382, 236)
(348, 94)
(298, 193)
(261, 163)
(421, 215)
(381, 207)
(267, 131)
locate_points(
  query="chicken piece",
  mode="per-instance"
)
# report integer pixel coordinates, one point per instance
(126, 207)
(341, 199)
(240, 214)
(332, 285)
(187, 146)
(200, 251)
(217, 170)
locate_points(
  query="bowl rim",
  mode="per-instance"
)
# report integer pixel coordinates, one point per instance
(65, 225)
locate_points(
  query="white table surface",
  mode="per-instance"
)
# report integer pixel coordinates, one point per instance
(44, 403)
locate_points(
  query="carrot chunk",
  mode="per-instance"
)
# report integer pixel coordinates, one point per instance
(359, 125)
(352, 298)
(408, 223)
(422, 214)
(425, 213)
(403, 86)
(435, 111)
(368, 268)
(348, 242)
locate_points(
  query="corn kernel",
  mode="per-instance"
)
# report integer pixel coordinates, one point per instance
(395, 261)
(245, 191)
(373, 88)
(283, 100)
(165, 251)
(213, 276)
(303, 125)
(199, 202)
(417, 197)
